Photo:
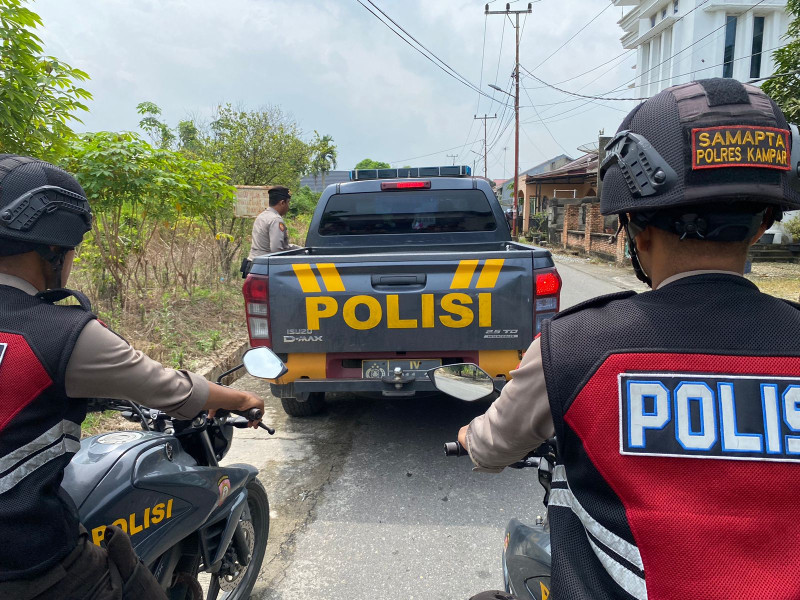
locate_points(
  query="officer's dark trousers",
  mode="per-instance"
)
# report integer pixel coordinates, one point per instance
(91, 573)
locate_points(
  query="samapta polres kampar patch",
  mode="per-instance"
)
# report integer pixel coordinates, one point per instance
(740, 146)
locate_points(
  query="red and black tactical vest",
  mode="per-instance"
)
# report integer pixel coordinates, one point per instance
(39, 431)
(677, 413)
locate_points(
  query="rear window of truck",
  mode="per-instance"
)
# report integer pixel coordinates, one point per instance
(408, 211)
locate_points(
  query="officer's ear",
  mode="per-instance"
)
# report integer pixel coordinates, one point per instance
(644, 239)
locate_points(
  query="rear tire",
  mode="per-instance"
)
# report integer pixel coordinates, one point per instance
(311, 406)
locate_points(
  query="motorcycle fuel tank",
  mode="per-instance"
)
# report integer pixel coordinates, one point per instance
(146, 484)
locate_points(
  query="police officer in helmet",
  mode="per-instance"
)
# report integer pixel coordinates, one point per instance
(676, 411)
(53, 357)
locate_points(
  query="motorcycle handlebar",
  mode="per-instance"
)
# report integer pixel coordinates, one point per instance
(254, 414)
(454, 449)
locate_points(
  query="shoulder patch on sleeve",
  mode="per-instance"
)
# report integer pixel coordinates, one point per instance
(282, 226)
(595, 302)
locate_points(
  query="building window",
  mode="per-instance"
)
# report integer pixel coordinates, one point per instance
(664, 13)
(758, 40)
(730, 46)
(675, 6)
(653, 21)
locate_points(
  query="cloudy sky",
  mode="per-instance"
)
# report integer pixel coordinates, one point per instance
(337, 70)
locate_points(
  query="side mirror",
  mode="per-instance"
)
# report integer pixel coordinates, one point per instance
(464, 381)
(262, 362)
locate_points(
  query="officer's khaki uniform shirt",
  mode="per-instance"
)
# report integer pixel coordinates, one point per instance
(269, 234)
(103, 365)
(520, 420)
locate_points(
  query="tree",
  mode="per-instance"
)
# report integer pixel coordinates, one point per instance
(260, 147)
(38, 93)
(368, 163)
(159, 132)
(786, 90)
(324, 156)
(136, 188)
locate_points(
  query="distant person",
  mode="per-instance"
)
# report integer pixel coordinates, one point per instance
(269, 230)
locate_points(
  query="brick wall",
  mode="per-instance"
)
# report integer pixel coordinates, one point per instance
(593, 239)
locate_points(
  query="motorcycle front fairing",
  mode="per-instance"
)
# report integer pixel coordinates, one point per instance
(146, 484)
(526, 561)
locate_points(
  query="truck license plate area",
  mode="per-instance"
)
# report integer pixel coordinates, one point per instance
(375, 369)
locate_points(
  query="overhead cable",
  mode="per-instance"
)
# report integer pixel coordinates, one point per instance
(422, 49)
(574, 35)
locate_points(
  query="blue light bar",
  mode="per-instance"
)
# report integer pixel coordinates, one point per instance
(446, 171)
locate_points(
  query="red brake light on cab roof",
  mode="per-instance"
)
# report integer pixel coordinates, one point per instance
(405, 185)
(547, 284)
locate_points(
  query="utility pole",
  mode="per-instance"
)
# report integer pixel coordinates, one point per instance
(484, 118)
(454, 157)
(516, 14)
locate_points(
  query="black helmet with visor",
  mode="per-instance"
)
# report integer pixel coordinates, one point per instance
(41, 206)
(703, 160)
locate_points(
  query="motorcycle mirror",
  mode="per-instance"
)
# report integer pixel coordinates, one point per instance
(464, 381)
(262, 362)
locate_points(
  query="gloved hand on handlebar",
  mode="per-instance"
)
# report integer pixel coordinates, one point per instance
(233, 400)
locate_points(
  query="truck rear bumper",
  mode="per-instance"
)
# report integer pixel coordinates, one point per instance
(409, 387)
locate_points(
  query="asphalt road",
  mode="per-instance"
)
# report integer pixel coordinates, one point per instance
(365, 505)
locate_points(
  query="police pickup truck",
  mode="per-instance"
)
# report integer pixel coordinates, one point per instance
(403, 270)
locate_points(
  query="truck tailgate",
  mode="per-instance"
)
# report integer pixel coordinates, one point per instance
(434, 301)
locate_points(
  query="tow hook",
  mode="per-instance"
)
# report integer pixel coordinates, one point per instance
(398, 378)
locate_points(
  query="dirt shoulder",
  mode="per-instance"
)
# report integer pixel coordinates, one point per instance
(777, 279)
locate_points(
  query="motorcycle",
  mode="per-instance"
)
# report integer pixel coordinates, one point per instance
(164, 486)
(526, 557)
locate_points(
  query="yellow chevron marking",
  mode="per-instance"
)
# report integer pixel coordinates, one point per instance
(330, 277)
(464, 273)
(490, 273)
(308, 282)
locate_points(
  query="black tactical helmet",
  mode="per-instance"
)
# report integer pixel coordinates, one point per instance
(715, 142)
(704, 160)
(41, 205)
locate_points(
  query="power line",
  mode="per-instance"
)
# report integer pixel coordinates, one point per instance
(499, 56)
(574, 35)
(402, 160)
(430, 55)
(661, 80)
(623, 54)
(558, 89)
(682, 50)
(606, 98)
(545, 124)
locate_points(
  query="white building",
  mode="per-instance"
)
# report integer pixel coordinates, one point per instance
(678, 41)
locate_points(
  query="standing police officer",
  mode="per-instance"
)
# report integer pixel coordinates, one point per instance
(676, 411)
(52, 358)
(269, 230)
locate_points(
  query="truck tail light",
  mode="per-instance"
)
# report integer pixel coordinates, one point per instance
(548, 283)
(547, 295)
(256, 301)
